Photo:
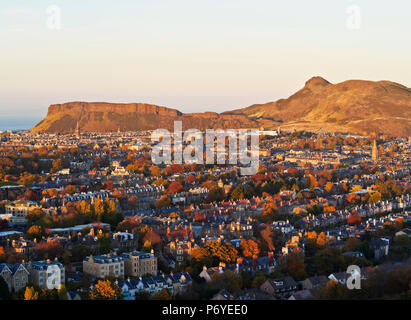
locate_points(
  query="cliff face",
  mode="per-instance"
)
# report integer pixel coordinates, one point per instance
(108, 117)
(118, 108)
(356, 106)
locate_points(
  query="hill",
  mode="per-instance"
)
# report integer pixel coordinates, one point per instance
(357, 106)
(109, 117)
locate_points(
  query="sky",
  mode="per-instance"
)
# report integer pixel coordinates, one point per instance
(193, 55)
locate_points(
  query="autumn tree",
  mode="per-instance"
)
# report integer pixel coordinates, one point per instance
(249, 248)
(322, 239)
(35, 231)
(174, 187)
(374, 197)
(108, 185)
(224, 252)
(70, 189)
(238, 192)
(48, 249)
(31, 294)
(329, 186)
(105, 290)
(153, 238)
(354, 219)
(155, 171)
(163, 202)
(128, 225)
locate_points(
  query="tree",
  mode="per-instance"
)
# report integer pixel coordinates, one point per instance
(105, 290)
(199, 253)
(163, 294)
(295, 266)
(129, 225)
(190, 178)
(48, 249)
(35, 231)
(221, 252)
(374, 197)
(153, 238)
(403, 240)
(163, 202)
(56, 165)
(4, 290)
(249, 248)
(352, 244)
(329, 186)
(104, 243)
(62, 293)
(174, 187)
(238, 192)
(333, 290)
(258, 280)
(108, 185)
(322, 239)
(31, 294)
(215, 194)
(79, 252)
(34, 216)
(155, 171)
(354, 219)
(70, 189)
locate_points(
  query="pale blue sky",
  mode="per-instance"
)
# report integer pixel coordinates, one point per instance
(190, 54)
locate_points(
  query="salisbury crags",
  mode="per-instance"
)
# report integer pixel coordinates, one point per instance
(106, 117)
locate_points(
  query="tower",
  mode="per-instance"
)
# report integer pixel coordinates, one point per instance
(78, 133)
(374, 154)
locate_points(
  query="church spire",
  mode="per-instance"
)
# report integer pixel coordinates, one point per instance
(374, 155)
(77, 131)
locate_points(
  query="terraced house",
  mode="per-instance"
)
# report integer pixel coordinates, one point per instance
(15, 275)
(175, 283)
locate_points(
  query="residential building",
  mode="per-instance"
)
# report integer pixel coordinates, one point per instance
(47, 274)
(105, 265)
(139, 264)
(15, 275)
(279, 287)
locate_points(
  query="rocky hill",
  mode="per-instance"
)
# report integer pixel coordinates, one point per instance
(357, 106)
(106, 117)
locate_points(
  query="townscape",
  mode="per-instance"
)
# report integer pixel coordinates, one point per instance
(88, 216)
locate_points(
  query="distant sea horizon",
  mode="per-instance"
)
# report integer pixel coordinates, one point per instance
(18, 122)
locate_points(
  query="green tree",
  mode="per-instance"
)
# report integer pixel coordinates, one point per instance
(4, 290)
